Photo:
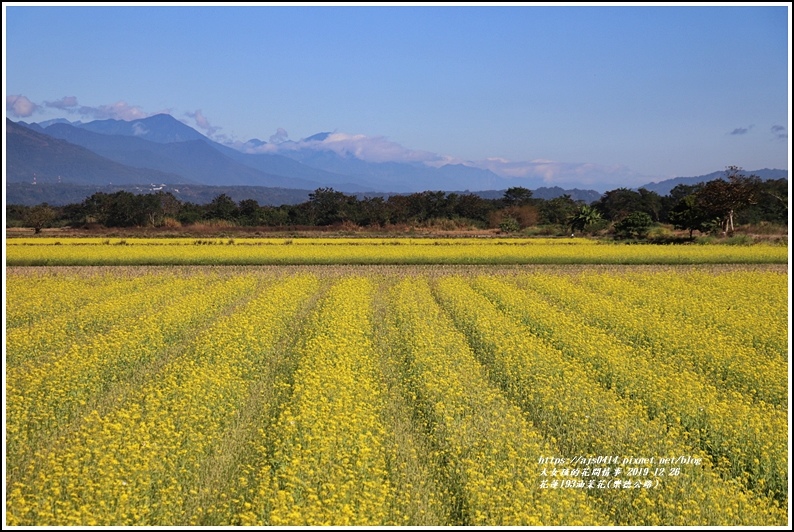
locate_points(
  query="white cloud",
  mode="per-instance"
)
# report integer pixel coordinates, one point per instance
(370, 149)
(279, 136)
(380, 149)
(20, 106)
(203, 123)
(555, 173)
(120, 110)
(139, 129)
(67, 103)
(442, 160)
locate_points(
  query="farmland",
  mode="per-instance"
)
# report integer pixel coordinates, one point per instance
(305, 391)
(51, 251)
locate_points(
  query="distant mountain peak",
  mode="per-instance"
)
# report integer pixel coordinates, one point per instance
(48, 123)
(162, 128)
(664, 187)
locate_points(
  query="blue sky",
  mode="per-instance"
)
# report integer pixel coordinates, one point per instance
(612, 94)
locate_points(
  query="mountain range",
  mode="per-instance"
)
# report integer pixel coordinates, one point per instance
(160, 150)
(664, 187)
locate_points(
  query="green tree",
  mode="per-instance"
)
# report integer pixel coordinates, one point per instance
(651, 203)
(424, 206)
(773, 200)
(688, 214)
(327, 206)
(559, 210)
(722, 198)
(586, 216)
(169, 205)
(509, 225)
(472, 206)
(96, 208)
(619, 203)
(152, 207)
(16, 215)
(190, 213)
(635, 225)
(222, 207)
(516, 196)
(250, 212)
(125, 209)
(671, 200)
(372, 211)
(39, 216)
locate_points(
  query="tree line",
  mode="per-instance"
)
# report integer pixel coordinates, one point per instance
(717, 205)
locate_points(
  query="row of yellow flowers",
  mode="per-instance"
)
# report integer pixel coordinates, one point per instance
(282, 397)
(745, 440)
(330, 452)
(745, 306)
(588, 405)
(446, 252)
(484, 450)
(76, 311)
(644, 316)
(44, 397)
(161, 450)
(24, 301)
(334, 241)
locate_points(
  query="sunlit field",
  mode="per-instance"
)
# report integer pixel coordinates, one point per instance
(354, 251)
(395, 395)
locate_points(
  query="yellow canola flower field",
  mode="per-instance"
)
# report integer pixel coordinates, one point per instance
(148, 454)
(330, 452)
(485, 448)
(420, 396)
(563, 397)
(80, 252)
(302, 241)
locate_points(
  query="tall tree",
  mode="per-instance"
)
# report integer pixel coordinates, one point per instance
(517, 196)
(688, 214)
(222, 207)
(327, 206)
(722, 198)
(618, 203)
(651, 203)
(250, 212)
(559, 210)
(39, 216)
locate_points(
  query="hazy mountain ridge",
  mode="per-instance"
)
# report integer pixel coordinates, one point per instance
(195, 160)
(165, 144)
(161, 150)
(303, 167)
(162, 128)
(150, 143)
(663, 188)
(34, 156)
